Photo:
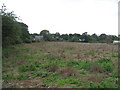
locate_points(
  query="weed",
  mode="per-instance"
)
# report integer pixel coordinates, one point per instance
(55, 63)
(115, 74)
(22, 68)
(7, 76)
(53, 68)
(106, 64)
(115, 55)
(72, 63)
(83, 64)
(104, 60)
(95, 68)
(32, 67)
(108, 67)
(83, 72)
(70, 80)
(42, 74)
(26, 49)
(107, 83)
(67, 71)
(50, 79)
(91, 52)
(73, 80)
(22, 76)
(61, 63)
(73, 86)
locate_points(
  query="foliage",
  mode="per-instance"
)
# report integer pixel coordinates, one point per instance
(85, 37)
(13, 32)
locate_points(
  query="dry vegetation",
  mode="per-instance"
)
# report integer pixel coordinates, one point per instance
(60, 65)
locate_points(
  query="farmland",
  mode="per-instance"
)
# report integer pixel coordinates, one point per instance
(60, 65)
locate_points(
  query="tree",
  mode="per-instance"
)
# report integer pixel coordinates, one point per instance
(25, 33)
(109, 39)
(102, 38)
(94, 38)
(46, 34)
(65, 37)
(85, 37)
(13, 32)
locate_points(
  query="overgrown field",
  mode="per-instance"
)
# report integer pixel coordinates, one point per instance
(60, 65)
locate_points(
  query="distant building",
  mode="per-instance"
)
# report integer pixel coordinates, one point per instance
(38, 38)
(116, 42)
(81, 39)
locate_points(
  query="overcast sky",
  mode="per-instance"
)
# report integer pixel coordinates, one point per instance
(67, 16)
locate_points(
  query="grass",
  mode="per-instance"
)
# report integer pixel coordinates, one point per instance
(61, 64)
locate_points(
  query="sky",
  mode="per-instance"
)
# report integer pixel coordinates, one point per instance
(67, 16)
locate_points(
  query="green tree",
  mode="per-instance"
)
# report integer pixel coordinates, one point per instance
(24, 32)
(102, 38)
(13, 32)
(46, 34)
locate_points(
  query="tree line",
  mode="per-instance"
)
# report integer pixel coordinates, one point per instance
(84, 37)
(14, 32)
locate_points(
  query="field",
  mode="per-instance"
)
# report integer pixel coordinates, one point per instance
(60, 65)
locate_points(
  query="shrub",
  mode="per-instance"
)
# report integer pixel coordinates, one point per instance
(28, 41)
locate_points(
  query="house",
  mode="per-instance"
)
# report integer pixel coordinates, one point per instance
(38, 38)
(81, 39)
(116, 42)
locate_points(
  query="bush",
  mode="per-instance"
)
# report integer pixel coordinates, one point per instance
(28, 41)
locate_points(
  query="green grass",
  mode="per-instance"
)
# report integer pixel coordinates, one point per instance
(106, 64)
(107, 83)
(22, 76)
(50, 80)
(24, 68)
(42, 74)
